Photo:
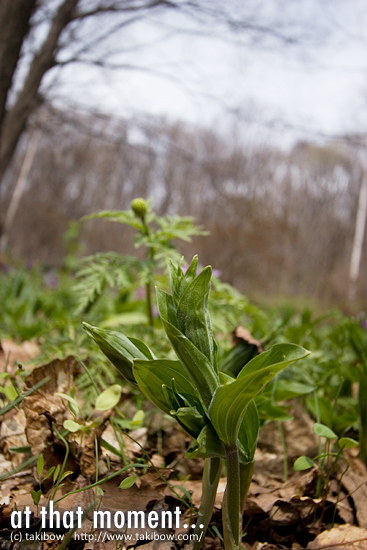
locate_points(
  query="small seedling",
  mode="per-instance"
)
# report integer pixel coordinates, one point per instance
(327, 461)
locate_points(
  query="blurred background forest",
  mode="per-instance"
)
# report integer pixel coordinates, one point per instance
(277, 184)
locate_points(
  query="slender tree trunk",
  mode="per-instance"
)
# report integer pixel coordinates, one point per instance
(15, 18)
(28, 99)
(355, 260)
(19, 188)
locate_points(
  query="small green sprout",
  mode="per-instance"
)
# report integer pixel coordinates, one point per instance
(215, 408)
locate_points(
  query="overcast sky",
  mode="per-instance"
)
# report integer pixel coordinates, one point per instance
(318, 85)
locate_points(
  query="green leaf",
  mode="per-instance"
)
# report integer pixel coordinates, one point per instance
(151, 375)
(49, 473)
(65, 475)
(137, 419)
(127, 217)
(185, 492)
(56, 473)
(190, 419)
(248, 433)
(119, 349)
(207, 445)
(323, 431)
(216, 531)
(347, 443)
(155, 380)
(69, 399)
(225, 378)
(128, 318)
(269, 411)
(10, 392)
(36, 496)
(303, 463)
(128, 482)
(40, 464)
(279, 354)
(202, 374)
(358, 340)
(110, 448)
(166, 307)
(21, 450)
(20, 398)
(230, 402)
(72, 426)
(179, 280)
(322, 409)
(143, 348)
(109, 398)
(288, 389)
(193, 318)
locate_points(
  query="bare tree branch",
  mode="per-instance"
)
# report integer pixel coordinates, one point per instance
(116, 8)
(16, 118)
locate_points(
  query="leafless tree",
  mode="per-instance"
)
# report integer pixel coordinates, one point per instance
(36, 37)
(281, 223)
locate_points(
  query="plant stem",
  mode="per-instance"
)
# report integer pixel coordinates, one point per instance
(149, 303)
(362, 403)
(211, 474)
(148, 290)
(231, 501)
(318, 419)
(246, 471)
(284, 449)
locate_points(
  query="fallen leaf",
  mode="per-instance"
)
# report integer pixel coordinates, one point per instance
(242, 334)
(11, 354)
(42, 407)
(355, 482)
(12, 435)
(343, 537)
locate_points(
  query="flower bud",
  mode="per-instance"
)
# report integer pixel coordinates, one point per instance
(139, 207)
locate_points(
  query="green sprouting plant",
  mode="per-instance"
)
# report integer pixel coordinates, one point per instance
(358, 340)
(154, 233)
(326, 462)
(216, 408)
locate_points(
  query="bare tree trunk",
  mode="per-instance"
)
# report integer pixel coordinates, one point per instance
(14, 27)
(19, 188)
(16, 118)
(355, 260)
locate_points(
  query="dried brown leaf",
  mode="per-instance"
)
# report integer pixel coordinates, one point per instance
(42, 407)
(11, 354)
(12, 434)
(343, 537)
(355, 482)
(242, 334)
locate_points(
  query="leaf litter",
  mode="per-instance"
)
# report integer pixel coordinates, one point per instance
(278, 514)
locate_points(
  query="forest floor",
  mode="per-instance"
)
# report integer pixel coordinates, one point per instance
(317, 509)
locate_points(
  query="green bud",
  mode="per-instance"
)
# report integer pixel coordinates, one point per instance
(139, 207)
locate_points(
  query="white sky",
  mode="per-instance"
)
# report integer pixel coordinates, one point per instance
(318, 87)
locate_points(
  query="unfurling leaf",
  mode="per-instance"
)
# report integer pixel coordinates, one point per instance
(119, 349)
